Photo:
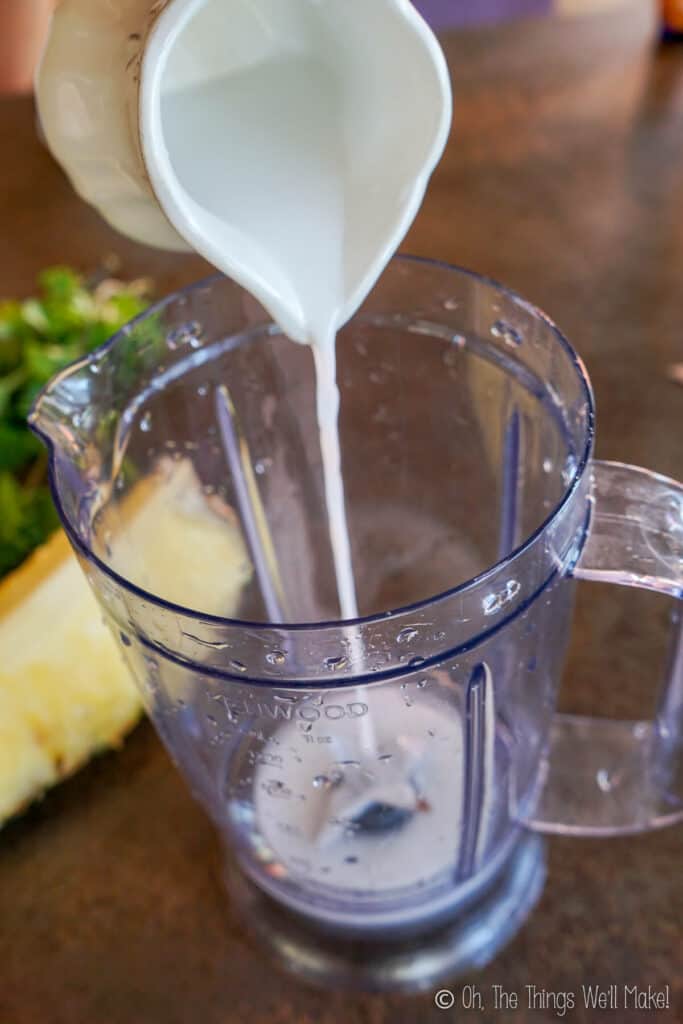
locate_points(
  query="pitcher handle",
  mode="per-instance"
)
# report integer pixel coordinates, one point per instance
(606, 777)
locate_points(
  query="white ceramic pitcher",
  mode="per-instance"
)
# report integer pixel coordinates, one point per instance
(360, 85)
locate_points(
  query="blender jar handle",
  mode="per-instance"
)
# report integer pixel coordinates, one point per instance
(606, 777)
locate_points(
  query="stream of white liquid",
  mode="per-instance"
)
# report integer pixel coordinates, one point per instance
(327, 403)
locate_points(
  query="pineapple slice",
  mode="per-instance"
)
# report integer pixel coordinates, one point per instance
(65, 693)
(64, 690)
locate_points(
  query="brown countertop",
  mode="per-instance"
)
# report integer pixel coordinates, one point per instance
(565, 180)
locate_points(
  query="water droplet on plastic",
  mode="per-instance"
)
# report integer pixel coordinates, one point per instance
(493, 603)
(336, 664)
(416, 662)
(385, 757)
(548, 465)
(451, 304)
(507, 333)
(202, 390)
(350, 860)
(146, 423)
(604, 780)
(276, 788)
(262, 466)
(212, 720)
(272, 760)
(421, 683)
(238, 666)
(276, 658)
(125, 640)
(95, 368)
(328, 781)
(406, 635)
(187, 334)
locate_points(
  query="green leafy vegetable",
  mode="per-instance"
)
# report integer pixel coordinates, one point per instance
(38, 338)
(27, 518)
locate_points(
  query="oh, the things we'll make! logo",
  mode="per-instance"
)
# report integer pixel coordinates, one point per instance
(559, 1003)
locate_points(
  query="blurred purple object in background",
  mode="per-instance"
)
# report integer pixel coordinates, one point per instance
(450, 13)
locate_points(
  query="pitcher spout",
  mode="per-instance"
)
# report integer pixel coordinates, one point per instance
(61, 414)
(68, 417)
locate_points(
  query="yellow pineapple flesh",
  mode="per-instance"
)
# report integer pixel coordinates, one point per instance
(65, 692)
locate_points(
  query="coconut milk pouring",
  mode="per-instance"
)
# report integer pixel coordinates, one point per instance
(288, 142)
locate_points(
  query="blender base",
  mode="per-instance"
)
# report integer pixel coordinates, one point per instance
(467, 942)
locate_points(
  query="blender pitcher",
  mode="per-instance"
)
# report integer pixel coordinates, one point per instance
(382, 777)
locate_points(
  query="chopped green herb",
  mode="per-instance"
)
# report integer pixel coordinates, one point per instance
(38, 338)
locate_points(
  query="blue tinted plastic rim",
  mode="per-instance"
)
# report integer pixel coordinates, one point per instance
(303, 627)
(381, 675)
